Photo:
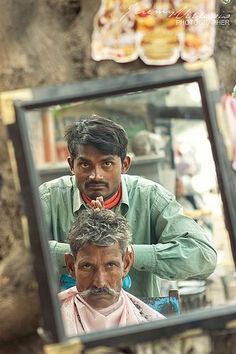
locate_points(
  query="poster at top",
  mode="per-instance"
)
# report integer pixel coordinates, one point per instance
(158, 32)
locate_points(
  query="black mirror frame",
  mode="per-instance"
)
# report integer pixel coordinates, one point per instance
(103, 87)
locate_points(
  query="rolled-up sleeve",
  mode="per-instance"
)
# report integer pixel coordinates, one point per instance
(183, 249)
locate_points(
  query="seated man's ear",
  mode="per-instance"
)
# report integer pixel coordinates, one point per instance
(70, 264)
(128, 261)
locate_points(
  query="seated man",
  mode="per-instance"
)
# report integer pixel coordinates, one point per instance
(100, 259)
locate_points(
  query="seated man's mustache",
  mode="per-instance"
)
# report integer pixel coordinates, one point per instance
(98, 291)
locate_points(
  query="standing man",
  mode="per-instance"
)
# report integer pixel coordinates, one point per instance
(166, 244)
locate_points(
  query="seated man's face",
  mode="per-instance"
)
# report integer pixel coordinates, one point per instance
(99, 271)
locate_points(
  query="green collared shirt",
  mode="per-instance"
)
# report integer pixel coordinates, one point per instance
(166, 243)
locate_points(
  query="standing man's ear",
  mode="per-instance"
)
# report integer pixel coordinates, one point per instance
(70, 264)
(71, 164)
(126, 164)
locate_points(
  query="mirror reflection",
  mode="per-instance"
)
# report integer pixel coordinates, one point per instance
(169, 256)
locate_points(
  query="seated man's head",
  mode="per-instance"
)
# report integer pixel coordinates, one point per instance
(100, 259)
(98, 155)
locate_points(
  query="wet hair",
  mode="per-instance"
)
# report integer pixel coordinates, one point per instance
(100, 228)
(105, 135)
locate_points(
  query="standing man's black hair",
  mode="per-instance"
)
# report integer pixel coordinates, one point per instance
(105, 135)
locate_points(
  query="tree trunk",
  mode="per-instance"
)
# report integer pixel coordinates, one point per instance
(225, 47)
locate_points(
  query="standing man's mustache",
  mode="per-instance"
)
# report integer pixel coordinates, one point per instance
(94, 183)
(98, 291)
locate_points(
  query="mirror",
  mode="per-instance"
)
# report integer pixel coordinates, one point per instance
(169, 144)
(169, 117)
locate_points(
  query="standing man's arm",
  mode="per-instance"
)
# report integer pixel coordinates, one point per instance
(58, 250)
(57, 198)
(46, 208)
(183, 249)
(47, 217)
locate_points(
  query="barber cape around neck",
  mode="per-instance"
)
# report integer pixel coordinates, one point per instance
(109, 203)
(79, 317)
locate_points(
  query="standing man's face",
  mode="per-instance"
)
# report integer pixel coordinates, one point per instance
(97, 174)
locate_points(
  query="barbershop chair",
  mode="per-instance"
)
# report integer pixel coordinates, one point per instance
(166, 305)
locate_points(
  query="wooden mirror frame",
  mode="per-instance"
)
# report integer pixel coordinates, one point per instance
(206, 319)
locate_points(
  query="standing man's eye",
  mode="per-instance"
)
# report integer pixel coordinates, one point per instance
(107, 164)
(84, 165)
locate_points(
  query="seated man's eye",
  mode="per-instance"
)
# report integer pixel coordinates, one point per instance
(111, 265)
(86, 266)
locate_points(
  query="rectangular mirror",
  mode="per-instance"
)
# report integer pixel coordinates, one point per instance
(174, 139)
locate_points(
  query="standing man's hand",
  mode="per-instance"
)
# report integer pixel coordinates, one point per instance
(98, 204)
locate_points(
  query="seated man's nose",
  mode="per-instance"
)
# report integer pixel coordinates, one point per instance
(99, 280)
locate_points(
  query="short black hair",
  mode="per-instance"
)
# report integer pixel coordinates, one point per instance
(104, 134)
